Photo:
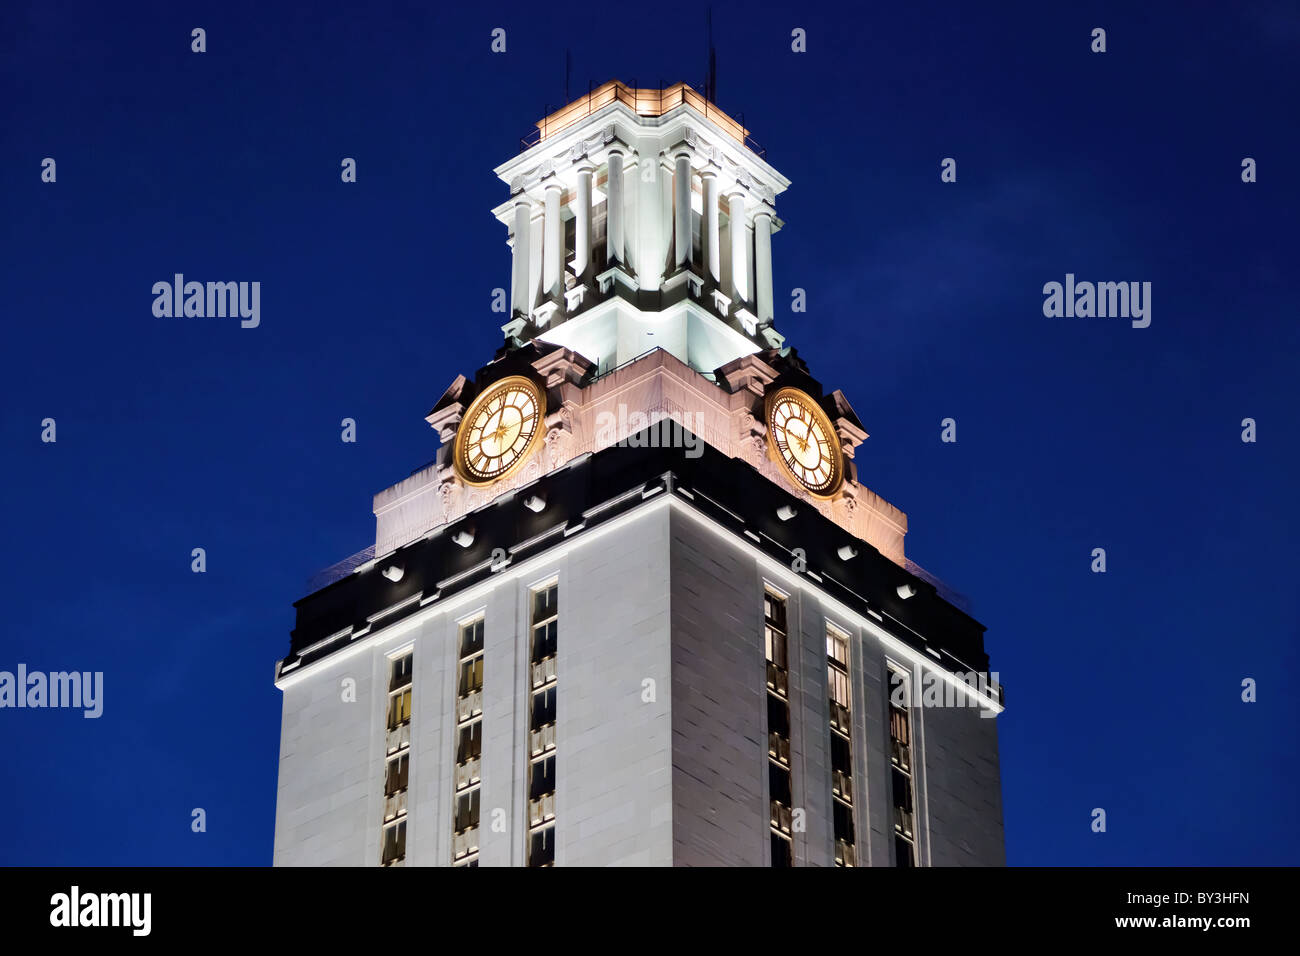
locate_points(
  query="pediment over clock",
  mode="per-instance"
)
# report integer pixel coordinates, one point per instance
(749, 373)
(560, 366)
(847, 423)
(447, 411)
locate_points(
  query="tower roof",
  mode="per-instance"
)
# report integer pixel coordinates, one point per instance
(643, 102)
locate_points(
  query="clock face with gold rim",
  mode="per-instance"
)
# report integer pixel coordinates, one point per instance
(803, 440)
(499, 431)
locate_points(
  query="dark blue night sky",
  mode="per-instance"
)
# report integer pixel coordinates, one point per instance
(924, 302)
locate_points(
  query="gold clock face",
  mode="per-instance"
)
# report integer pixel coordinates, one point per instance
(499, 431)
(803, 440)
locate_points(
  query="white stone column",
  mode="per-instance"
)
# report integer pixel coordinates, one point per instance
(582, 224)
(614, 209)
(739, 253)
(633, 235)
(682, 210)
(709, 243)
(519, 276)
(535, 228)
(763, 264)
(724, 258)
(664, 213)
(649, 232)
(553, 244)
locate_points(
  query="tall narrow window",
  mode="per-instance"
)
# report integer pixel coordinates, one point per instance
(397, 760)
(900, 759)
(780, 784)
(469, 745)
(837, 685)
(543, 639)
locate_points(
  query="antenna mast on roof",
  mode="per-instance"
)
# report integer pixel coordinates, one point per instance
(711, 81)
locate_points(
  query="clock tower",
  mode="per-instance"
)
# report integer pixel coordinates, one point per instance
(641, 608)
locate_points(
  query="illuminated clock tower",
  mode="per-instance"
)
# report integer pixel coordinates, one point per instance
(641, 609)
